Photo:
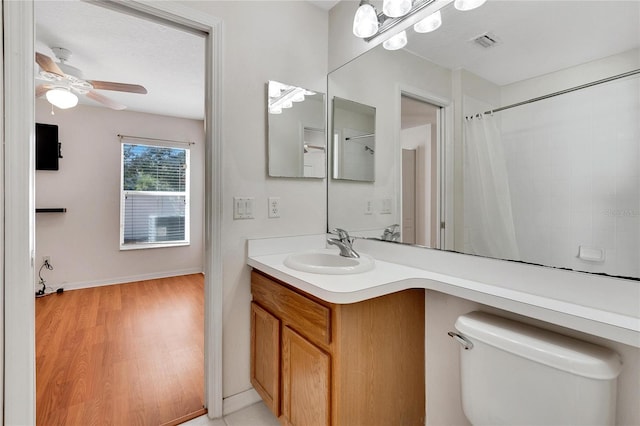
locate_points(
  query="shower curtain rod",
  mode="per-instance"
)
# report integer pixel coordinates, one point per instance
(359, 137)
(562, 92)
(141, 138)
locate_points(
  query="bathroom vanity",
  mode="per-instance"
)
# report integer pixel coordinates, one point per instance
(320, 363)
(584, 306)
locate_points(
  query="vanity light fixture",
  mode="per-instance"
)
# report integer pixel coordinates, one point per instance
(298, 96)
(365, 23)
(430, 23)
(61, 98)
(282, 96)
(396, 8)
(397, 11)
(468, 4)
(396, 42)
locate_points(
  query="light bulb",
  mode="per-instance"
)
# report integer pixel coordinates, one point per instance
(396, 8)
(287, 104)
(275, 110)
(365, 23)
(396, 42)
(468, 4)
(430, 23)
(62, 98)
(298, 96)
(274, 89)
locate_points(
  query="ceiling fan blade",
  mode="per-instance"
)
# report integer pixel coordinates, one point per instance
(41, 89)
(104, 100)
(47, 64)
(119, 87)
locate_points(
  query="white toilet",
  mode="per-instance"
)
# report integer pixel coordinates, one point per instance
(516, 374)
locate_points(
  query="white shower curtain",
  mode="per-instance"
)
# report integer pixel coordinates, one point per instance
(488, 216)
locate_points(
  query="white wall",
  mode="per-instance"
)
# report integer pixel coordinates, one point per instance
(263, 40)
(84, 242)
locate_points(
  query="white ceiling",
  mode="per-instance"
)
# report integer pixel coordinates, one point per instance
(112, 46)
(324, 4)
(536, 37)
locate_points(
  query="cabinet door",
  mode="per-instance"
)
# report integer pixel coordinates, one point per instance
(306, 379)
(265, 356)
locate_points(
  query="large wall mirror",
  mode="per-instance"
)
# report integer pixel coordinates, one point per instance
(552, 181)
(296, 136)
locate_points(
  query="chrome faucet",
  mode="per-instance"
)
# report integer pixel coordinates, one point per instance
(343, 242)
(391, 233)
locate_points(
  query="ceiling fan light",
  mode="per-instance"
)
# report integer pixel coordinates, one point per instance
(62, 98)
(396, 42)
(468, 4)
(428, 24)
(396, 8)
(365, 23)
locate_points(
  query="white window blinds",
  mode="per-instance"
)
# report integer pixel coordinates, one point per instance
(154, 196)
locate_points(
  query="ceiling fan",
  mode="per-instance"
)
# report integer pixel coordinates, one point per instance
(63, 82)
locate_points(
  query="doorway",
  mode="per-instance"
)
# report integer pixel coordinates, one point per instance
(420, 140)
(19, 242)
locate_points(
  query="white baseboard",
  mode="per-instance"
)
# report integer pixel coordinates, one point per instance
(239, 401)
(129, 279)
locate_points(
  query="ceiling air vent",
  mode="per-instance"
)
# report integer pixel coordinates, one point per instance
(486, 40)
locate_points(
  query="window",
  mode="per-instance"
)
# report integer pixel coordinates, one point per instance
(154, 196)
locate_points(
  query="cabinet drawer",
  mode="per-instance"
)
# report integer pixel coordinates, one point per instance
(306, 316)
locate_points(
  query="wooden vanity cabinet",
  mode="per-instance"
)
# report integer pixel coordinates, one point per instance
(319, 363)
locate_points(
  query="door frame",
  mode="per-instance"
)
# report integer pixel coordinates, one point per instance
(18, 205)
(444, 153)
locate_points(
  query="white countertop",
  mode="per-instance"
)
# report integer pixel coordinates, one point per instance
(602, 306)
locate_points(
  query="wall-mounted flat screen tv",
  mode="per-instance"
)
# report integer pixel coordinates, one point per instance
(47, 147)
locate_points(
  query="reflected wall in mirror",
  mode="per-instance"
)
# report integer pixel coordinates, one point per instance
(552, 181)
(296, 136)
(354, 140)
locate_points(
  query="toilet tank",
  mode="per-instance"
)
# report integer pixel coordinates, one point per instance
(517, 374)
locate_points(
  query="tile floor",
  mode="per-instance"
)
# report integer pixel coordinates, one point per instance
(253, 415)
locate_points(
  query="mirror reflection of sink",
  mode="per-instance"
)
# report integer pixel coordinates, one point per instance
(326, 261)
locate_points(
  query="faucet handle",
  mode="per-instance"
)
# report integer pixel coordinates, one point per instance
(392, 228)
(342, 234)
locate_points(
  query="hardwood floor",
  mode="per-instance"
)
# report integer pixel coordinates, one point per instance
(128, 354)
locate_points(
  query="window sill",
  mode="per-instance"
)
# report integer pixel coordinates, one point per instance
(154, 245)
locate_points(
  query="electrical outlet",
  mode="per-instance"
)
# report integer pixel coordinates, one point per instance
(274, 207)
(46, 259)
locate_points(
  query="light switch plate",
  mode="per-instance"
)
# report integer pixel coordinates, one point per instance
(368, 207)
(243, 208)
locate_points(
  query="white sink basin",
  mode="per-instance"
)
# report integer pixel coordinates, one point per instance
(326, 261)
